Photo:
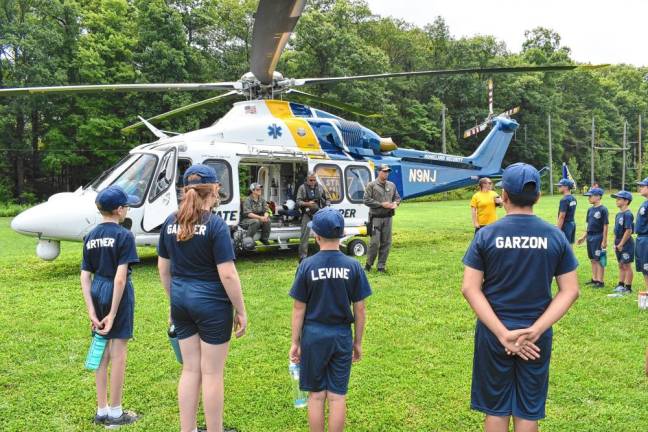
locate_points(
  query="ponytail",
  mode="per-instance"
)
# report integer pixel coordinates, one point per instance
(191, 209)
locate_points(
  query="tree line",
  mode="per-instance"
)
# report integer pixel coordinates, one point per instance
(50, 143)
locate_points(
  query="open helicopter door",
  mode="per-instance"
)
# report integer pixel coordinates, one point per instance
(162, 199)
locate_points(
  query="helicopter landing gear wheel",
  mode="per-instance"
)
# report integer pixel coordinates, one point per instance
(357, 248)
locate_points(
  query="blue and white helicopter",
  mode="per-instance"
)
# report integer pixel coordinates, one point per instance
(266, 140)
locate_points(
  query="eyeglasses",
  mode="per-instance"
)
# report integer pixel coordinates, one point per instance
(311, 180)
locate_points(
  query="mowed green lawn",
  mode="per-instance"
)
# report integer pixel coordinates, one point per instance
(416, 370)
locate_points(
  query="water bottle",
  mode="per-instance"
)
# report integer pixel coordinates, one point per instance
(173, 339)
(603, 258)
(96, 351)
(300, 397)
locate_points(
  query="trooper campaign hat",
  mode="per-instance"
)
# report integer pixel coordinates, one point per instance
(114, 197)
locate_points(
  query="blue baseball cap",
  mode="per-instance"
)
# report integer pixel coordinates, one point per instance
(594, 191)
(643, 182)
(114, 197)
(516, 176)
(206, 173)
(328, 223)
(623, 194)
(566, 182)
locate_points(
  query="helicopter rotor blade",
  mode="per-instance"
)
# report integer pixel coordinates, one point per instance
(490, 96)
(117, 88)
(182, 109)
(510, 112)
(475, 130)
(274, 22)
(489, 70)
(332, 103)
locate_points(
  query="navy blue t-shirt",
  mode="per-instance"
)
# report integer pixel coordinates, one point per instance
(622, 222)
(641, 228)
(568, 206)
(519, 255)
(328, 282)
(596, 218)
(106, 247)
(197, 257)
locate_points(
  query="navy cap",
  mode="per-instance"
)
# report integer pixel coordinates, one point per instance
(565, 182)
(516, 176)
(328, 223)
(114, 197)
(623, 194)
(643, 182)
(206, 173)
(594, 191)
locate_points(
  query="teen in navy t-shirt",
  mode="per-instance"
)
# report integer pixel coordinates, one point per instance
(108, 252)
(641, 229)
(567, 210)
(196, 265)
(623, 242)
(326, 287)
(509, 268)
(597, 221)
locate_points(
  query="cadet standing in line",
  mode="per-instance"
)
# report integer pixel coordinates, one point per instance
(623, 242)
(508, 271)
(641, 229)
(255, 211)
(382, 198)
(326, 287)
(596, 235)
(311, 197)
(566, 210)
(197, 271)
(108, 252)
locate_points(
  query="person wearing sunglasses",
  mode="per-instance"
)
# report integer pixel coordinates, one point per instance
(483, 204)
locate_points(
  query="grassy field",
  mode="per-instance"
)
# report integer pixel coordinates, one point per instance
(416, 371)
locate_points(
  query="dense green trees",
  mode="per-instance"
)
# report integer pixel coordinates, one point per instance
(58, 142)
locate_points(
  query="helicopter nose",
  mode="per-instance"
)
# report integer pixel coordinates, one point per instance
(29, 222)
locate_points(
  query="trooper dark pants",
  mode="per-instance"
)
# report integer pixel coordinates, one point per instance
(253, 225)
(305, 235)
(381, 240)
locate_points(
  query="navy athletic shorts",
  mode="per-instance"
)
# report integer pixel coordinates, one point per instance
(504, 385)
(102, 294)
(326, 354)
(201, 307)
(569, 228)
(627, 253)
(641, 254)
(594, 246)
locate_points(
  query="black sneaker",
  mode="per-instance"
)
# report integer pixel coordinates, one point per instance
(100, 419)
(367, 267)
(591, 282)
(598, 285)
(382, 270)
(127, 417)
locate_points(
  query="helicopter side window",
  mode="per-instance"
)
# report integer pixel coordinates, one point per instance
(224, 174)
(330, 177)
(357, 178)
(136, 178)
(164, 178)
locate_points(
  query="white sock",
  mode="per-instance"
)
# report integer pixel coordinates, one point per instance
(103, 411)
(115, 411)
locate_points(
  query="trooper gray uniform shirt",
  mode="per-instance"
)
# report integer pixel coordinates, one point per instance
(259, 208)
(306, 193)
(380, 218)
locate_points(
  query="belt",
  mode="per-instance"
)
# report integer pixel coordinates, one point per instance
(594, 232)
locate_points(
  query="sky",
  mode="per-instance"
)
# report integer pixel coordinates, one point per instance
(596, 31)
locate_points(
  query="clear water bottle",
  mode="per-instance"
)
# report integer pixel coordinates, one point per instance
(300, 397)
(96, 351)
(173, 340)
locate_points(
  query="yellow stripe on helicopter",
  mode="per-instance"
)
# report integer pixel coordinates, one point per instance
(299, 128)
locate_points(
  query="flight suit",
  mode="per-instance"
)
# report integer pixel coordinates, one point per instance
(380, 219)
(259, 208)
(306, 193)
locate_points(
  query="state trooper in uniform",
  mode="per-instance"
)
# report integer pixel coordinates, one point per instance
(255, 211)
(382, 198)
(311, 197)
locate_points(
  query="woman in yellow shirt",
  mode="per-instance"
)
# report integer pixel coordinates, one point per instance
(483, 203)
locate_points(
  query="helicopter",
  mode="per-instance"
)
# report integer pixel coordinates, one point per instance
(267, 140)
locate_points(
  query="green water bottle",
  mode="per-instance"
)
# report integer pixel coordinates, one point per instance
(603, 258)
(173, 340)
(96, 351)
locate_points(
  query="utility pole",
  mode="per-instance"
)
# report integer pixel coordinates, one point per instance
(443, 130)
(592, 156)
(550, 156)
(639, 173)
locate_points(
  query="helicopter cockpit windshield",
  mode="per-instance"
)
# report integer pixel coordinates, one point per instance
(134, 179)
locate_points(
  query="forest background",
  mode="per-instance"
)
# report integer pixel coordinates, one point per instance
(59, 142)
